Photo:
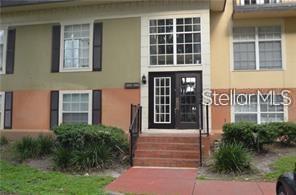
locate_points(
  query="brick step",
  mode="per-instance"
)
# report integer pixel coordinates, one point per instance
(166, 146)
(167, 154)
(165, 162)
(169, 139)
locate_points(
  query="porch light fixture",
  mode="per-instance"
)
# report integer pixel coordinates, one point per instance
(144, 80)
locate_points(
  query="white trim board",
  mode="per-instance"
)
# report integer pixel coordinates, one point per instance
(205, 56)
(2, 110)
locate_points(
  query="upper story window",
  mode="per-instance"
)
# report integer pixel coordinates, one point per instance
(76, 47)
(253, 2)
(257, 48)
(175, 41)
(2, 51)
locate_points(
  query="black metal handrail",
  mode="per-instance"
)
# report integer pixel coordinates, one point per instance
(201, 127)
(135, 129)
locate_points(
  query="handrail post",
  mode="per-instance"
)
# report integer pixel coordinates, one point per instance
(200, 134)
(134, 129)
(131, 149)
(207, 119)
(140, 118)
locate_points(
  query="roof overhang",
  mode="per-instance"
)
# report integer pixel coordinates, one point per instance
(28, 5)
(266, 11)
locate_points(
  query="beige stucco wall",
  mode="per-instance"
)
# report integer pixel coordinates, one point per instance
(221, 60)
(121, 59)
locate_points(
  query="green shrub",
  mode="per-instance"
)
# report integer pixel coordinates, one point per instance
(99, 156)
(62, 157)
(3, 141)
(255, 136)
(26, 148)
(286, 132)
(89, 146)
(232, 158)
(242, 132)
(45, 145)
(29, 147)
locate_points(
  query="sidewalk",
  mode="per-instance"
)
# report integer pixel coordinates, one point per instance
(178, 181)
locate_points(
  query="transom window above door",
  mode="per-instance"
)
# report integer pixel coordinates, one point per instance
(76, 47)
(175, 41)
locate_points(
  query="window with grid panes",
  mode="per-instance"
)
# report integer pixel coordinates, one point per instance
(257, 48)
(175, 41)
(259, 109)
(162, 100)
(75, 107)
(76, 46)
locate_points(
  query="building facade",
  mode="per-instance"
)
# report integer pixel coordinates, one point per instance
(87, 62)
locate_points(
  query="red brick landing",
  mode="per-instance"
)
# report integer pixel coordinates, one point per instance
(181, 181)
(164, 181)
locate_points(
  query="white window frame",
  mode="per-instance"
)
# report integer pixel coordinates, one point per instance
(257, 53)
(62, 47)
(4, 50)
(175, 17)
(62, 93)
(258, 112)
(170, 99)
(2, 110)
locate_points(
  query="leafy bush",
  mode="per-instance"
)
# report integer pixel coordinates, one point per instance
(286, 132)
(45, 145)
(240, 133)
(26, 148)
(232, 157)
(98, 156)
(89, 146)
(255, 136)
(29, 147)
(62, 157)
(3, 141)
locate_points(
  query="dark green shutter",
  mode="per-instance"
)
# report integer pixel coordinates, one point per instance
(55, 54)
(8, 110)
(10, 51)
(97, 46)
(97, 107)
(54, 109)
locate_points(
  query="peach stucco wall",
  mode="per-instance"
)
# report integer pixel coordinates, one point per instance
(31, 110)
(116, 106)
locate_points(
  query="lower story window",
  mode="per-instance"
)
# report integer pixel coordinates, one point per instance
(76, 107)
(259, 109)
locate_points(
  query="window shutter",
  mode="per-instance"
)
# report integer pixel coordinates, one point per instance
(97, 107)
(55, 54)
(10, 51)
(8, 110)
(97, 47)
(54, 109)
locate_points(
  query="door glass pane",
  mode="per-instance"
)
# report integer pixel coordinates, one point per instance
(162, 100)
(188, 101)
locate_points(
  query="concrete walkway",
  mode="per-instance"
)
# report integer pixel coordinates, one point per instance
(171, 181)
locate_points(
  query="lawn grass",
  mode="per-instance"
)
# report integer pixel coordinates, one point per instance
(282, 165)
(22, 179)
